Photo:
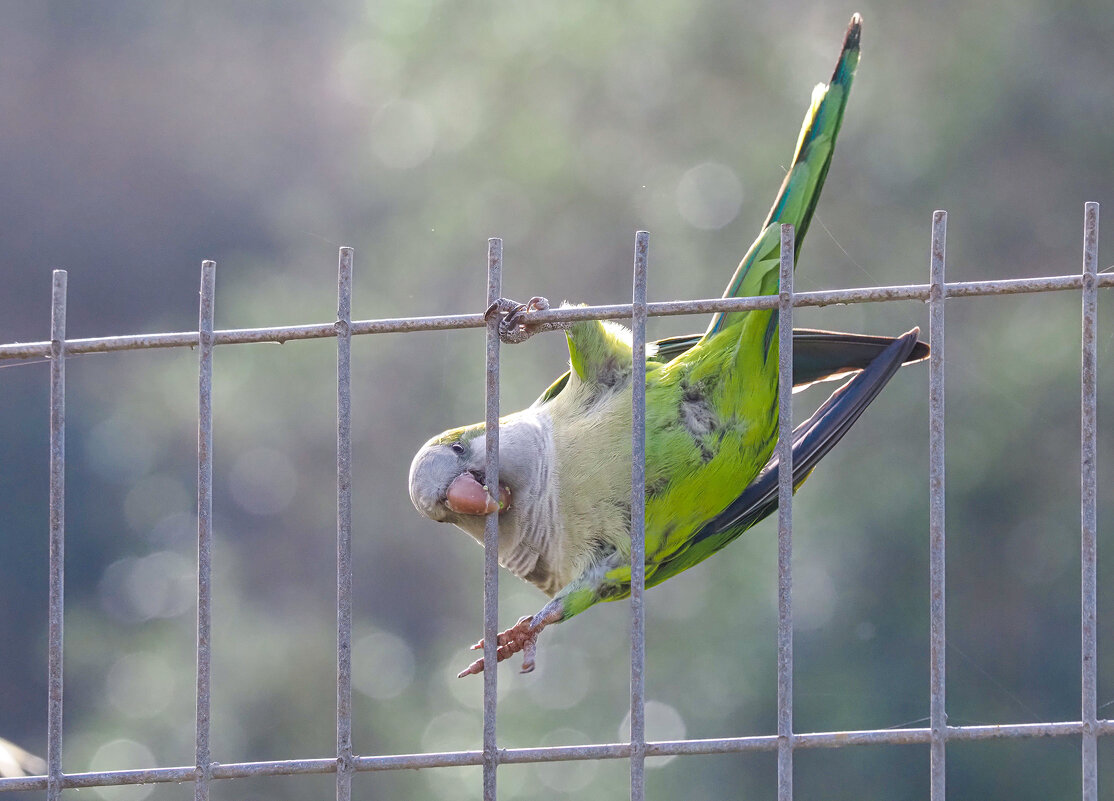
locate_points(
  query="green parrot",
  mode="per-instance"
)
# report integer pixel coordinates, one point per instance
(711, 424)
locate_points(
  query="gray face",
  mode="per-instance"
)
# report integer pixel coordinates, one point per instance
(446, 485)
(447, 474)
(434, 468)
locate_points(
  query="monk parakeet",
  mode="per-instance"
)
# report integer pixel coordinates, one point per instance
(711, 424)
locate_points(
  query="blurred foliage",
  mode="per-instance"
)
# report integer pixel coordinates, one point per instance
(141, 137)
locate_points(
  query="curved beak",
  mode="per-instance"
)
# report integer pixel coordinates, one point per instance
(467, 496)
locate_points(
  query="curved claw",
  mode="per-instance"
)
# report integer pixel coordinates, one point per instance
(502, 306)
(513, 328)
(522, 636)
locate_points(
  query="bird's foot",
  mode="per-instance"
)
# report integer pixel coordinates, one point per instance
(522, 636)
(513, 328)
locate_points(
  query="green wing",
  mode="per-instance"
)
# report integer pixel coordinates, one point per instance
(811, 442)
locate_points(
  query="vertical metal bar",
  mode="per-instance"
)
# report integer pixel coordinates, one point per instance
(937, 716)
(638, 524)
(57, 532)
(1089, 499)
(491, 528)
(344, 525)
(785, 521)
(204, 523)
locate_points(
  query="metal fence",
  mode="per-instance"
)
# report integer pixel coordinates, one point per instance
(786, 741)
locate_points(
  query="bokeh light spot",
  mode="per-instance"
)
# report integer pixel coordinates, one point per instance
(139, 685)
(263, 481)
(154, 497)
(709, 195)
(566, 777)
(383, 664)
(663, 722)
(160, 585)
(123, 755)
(403, 135)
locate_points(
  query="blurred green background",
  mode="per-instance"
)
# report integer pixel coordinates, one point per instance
(139, 138)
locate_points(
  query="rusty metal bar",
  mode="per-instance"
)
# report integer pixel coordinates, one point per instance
(785, 520)
(57, 532)
(1088, 479)
(491, 527)
(204, 526)
(937, 640)
(283, 334)
(565, 753)
(344, 524)
(638, 523)
(1089, 728)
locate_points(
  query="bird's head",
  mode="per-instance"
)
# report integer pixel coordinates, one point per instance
(447, 479)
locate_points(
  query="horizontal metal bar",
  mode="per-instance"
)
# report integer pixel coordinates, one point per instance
(840, 739)
(282, 334)
(115, 778)
(565, 753)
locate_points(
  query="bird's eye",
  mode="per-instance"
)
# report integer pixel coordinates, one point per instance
(458, 449)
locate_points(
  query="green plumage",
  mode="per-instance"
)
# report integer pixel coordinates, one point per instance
(711, 424)
(711, 412)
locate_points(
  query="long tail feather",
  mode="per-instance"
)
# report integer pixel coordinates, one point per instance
(800, 191)
(832, 355)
